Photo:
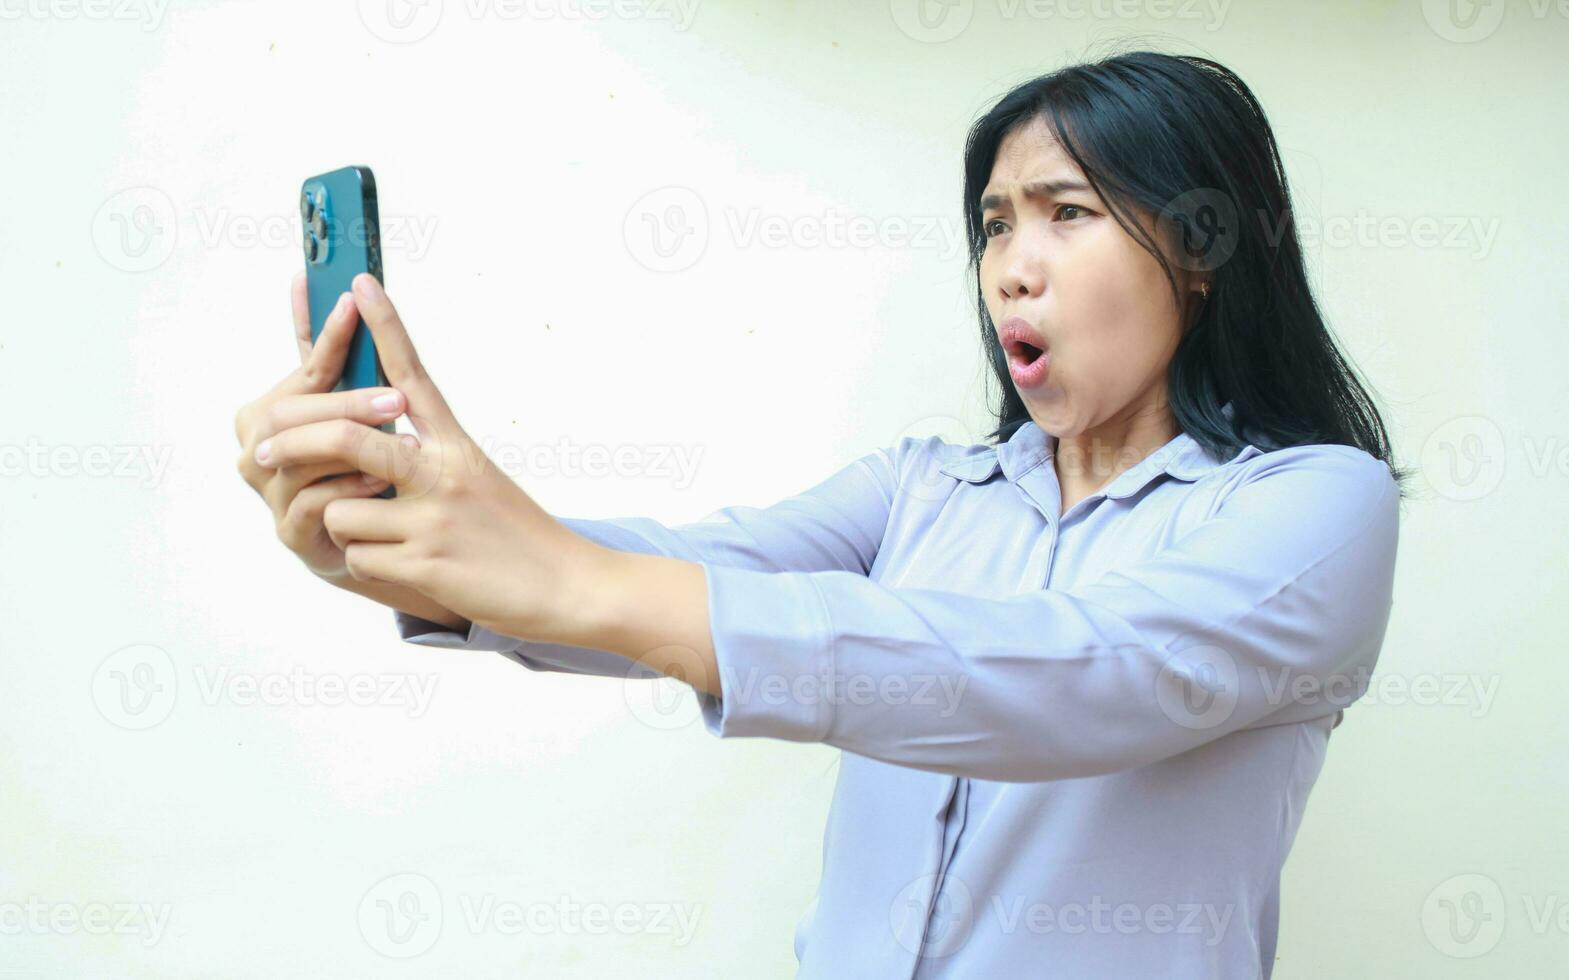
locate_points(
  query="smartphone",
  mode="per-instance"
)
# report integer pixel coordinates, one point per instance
(342, 238)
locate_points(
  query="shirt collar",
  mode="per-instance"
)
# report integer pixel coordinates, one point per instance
(1030, 446)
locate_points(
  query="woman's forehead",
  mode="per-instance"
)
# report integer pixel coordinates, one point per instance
(1031, 152)
(1031, 138)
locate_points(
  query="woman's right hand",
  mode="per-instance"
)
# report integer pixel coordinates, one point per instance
(297, 495)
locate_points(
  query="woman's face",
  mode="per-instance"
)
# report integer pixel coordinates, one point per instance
(1098, 301)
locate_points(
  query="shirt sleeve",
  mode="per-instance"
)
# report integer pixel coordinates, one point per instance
(835, 525)
(1270, 611)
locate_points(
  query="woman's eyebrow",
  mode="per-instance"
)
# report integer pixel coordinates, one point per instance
(1036, 188)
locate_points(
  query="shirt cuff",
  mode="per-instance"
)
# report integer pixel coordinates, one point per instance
(545, 657)
(773, 643)
(429, 634)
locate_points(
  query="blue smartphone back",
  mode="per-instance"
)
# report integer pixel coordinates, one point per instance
(342, 238)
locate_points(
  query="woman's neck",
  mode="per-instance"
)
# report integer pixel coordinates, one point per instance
(1090, 460)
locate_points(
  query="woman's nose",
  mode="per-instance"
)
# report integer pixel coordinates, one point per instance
(1024, 276)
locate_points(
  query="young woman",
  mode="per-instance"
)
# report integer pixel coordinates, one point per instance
(1083, 676)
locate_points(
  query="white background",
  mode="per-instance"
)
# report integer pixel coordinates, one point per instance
(147, 237)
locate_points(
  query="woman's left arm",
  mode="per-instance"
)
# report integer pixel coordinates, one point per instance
(1271, 611)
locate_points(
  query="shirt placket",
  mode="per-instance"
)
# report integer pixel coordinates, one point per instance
(1041, 493)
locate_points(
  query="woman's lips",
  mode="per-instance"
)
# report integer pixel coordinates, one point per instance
(1030, 374)
(1029, 359)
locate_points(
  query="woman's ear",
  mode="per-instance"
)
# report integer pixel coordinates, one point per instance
(1193, 306)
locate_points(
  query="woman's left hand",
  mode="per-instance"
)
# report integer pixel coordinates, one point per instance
(459, 530)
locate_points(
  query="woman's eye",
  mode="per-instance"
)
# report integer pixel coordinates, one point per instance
(996, 226)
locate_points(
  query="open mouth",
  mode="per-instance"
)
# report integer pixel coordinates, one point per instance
(1026, 354)
(1026, 349)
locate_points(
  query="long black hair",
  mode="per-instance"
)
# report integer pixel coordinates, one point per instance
(1181, 138)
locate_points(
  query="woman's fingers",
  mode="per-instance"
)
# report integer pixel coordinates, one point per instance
(301, 525)
(428, 410)
(323, 365)
(361, 520)
(299, 299)
(353, 444)
(357, 404)
(261, 420)
(385, 561)
(290, 481)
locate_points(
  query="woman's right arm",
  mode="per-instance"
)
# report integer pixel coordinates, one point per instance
(835, 525)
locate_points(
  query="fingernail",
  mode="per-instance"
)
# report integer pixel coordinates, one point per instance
(371, 479)
(385, 403)
(263, 451)
(409, 441)
(343, 302)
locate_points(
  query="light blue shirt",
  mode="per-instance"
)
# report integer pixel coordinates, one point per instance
(1074, 744)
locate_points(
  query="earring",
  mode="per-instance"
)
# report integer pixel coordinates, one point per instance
(1204, 289)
